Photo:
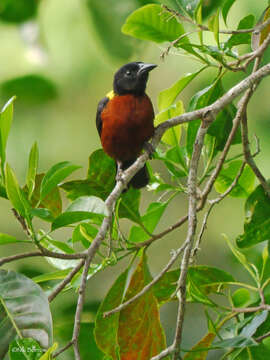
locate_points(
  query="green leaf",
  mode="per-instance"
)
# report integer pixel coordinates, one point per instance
(6, 117)
(150, 220)
(25, 349)
(202, 280)
(235, 342)
(42, 213)
(106, 329)
(7, 239)
(172, 135)
(30, 89)
(241, 298)
(32, 169)
(207, 277)
(54, 275)
(24, 311)
(176, 161)
(241, 258)
(55, 175)
(15, 11)
(140, 334)
(245, 38)
(250, 329)
(84, 233)
(14, 192)
(100, 179)
(167, 97)
(129, 205)
(108, 20)
(68, 218)
(222, 125)
(151, 23)
(245, 184)
(89, 204)
(216, 28)
(60, 248)
(83, 208)
(226, 8)
(52, 202)
(262, 351)
(166, 286)
(257, 219)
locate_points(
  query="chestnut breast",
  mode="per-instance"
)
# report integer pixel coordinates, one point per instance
(127, 122)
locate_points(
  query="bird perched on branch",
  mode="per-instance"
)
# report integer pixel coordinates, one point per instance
(125, 119)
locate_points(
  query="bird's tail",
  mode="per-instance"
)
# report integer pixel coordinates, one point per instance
(141, 178)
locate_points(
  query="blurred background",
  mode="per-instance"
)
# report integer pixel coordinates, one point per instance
(58, 58)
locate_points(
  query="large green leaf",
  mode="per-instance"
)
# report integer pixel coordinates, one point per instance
(30, 89)
(150, 220)
(245, 184)
(24, 311)
(172, 135)
(58, 247)
(83, 208)
(257, 219)
(50, 206)
(202, 280)
(8, 239)
(167, 97)
(17, 11)
(222, 125)
(25, 349)
(151, 23)
(56, 175)
(6, 117)
(226, 8)
(107, 21)
(106, 329)
(100, 178)
(242, 38)
(129, 205)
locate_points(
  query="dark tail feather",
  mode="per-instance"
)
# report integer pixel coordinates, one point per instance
(140, 179)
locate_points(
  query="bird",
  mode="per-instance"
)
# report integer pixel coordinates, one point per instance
(125, 119)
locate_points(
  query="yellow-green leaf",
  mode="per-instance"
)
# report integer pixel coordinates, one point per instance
(171, 136)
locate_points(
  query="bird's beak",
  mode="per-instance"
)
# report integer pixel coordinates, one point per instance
(146, 68)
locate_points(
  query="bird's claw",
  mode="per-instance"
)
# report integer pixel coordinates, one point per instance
(149, 148)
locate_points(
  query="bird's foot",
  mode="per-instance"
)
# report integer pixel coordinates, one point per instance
(119, 174)
(149, 148)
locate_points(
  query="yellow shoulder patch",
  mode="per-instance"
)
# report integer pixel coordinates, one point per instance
(110, 95)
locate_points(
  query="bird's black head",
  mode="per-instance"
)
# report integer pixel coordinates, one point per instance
(132, 78)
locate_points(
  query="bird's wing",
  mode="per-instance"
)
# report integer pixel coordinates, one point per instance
(101, 105)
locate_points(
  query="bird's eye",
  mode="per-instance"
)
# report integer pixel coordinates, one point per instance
(128, 72)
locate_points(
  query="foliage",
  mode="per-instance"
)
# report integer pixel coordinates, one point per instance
(198, 156)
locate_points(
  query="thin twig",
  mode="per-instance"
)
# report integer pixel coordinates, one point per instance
(212, 204)
(192, 224)
(66, 281)
(67, 346)
(8, 259)
(262, 337)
